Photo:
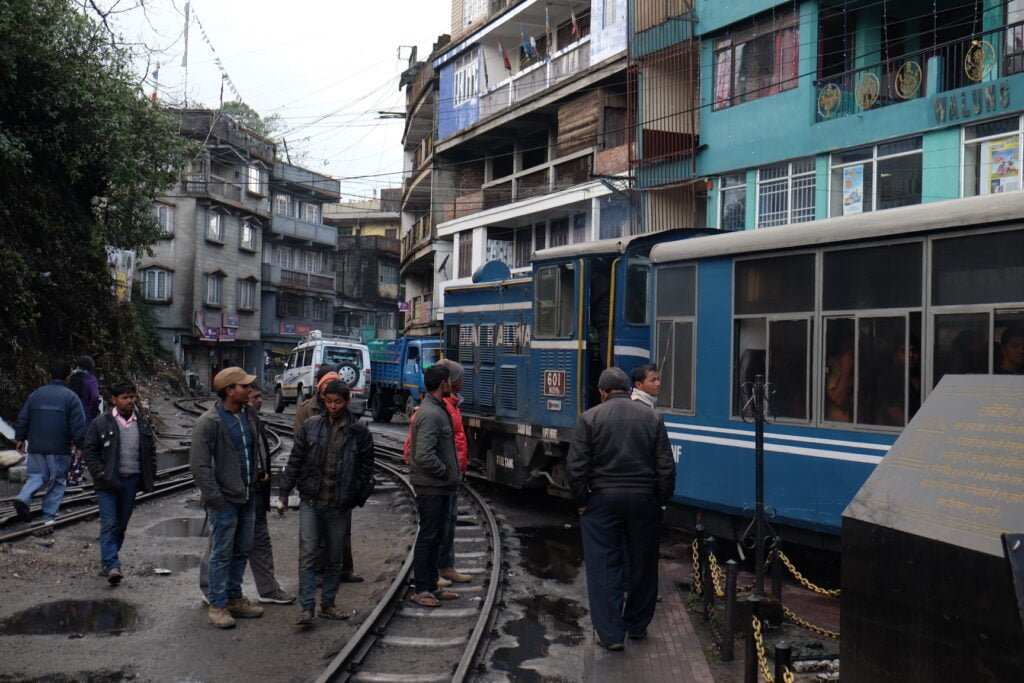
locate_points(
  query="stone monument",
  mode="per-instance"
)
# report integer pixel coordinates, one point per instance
(927, 591)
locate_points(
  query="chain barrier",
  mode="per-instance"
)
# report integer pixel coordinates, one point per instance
(716, 576)
(762, 658)
(696, 584)
(803, 623)
(832, 593)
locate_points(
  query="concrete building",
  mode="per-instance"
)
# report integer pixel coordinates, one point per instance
(203, 279)
(298, 285)
(368, 286)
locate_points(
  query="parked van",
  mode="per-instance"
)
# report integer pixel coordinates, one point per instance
(347, 354)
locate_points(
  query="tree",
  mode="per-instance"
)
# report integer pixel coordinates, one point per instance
(250, 118)
(83, 154)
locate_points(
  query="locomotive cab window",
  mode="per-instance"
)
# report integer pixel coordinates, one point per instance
(637, 289)
(555, 302)
(675, 311)
(772, 314)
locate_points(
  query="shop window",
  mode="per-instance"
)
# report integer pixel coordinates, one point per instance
(879, 177)
(992, 163)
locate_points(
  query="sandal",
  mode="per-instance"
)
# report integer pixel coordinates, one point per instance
(425, 600)
(445, 595)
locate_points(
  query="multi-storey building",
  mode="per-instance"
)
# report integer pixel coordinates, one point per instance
(525, 146)
(203, 279)
(368, 289)
(298, 286)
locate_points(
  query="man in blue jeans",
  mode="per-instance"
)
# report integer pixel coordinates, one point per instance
(331, 463)
(226, 463)
(51, 421)
(120, 452)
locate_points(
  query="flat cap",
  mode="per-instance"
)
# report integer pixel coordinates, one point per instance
(229, 376)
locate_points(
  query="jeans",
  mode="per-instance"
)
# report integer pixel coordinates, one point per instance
(115, 510)
(261, 557)
(331, 524)
(49, 470)
(609, 518)
(434, 513)
(446, 553)
(231, 530)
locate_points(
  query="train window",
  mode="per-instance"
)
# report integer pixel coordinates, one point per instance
(786, 365)
(839, 369)
(637, 288)
(555, 302)
(961, 344)
(676, 289)
(782, 284)
(978, 269)
(877, 277)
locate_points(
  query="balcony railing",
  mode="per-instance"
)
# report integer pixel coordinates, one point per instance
(203, 184)
(286, 277)
(422, 231)
(424, 151)
(302, 230)
(552, 176)
(532, 80)
(978, 58)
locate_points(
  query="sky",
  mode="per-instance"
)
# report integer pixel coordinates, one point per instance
(326, 67)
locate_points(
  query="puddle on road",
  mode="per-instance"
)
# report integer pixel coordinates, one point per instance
(168, 460)
(551, 552)
(177, 563)
(180, 528)
(558, 617)
(67, 617)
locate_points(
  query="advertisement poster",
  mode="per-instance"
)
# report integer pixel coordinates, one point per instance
(1003, 165)
(853, 190)
(121, 265)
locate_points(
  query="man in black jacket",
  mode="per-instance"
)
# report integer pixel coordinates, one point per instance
(332, 464)
(120, 452)
(621, 472)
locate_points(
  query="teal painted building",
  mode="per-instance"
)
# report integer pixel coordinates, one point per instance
(833, 107)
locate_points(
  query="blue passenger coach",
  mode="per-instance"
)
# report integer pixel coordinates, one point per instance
(534, 345)
(853, 320)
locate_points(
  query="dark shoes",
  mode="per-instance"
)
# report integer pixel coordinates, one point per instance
(332, 612)
(24, 514)
(305, 618)
(351, 577)
(114, 576)
(613, 647)
(638, 636)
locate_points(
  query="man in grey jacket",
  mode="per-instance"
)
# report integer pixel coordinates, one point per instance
(226, 463)
(434, 473)
(621, 472)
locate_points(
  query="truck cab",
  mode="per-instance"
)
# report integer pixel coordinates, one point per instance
(396, 379)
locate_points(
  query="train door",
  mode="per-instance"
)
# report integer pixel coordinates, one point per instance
(599, 317)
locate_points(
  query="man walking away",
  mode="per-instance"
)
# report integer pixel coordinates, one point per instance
(332, 464)
(315, 406)
(120, 452)
(646, 385)
(261, 557)
(621, 472)
(51, 421)
(85, 385)
(446, 555)
(225, 460)
(434, 474)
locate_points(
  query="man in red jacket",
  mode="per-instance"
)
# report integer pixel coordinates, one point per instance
(446, 559)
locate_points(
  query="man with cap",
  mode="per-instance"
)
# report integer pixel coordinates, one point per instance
(309, 408)
(621, 472)
(227, 463)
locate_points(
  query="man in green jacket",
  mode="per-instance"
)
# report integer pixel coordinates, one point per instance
(434, 473)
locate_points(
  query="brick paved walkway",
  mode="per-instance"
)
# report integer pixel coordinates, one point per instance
(672, 651)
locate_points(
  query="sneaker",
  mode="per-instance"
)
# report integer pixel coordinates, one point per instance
(305, 618)
(278, 597)
(613, 647)
(220, 617)
(455, 577)
(22, 510)
(443, 583)
(243, 609)
(332, 612)
(114, 576)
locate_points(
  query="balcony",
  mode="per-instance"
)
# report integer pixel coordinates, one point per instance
(539, 77)
(421, 310)
(209, 125)
(422, 232)
(560, 174)
(317, 233)
(204, 184)
(978, 58)
(323, 187)
(424, 152)
(295, 279)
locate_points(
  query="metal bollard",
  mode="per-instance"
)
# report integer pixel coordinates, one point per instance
(783, 660)
(750, 646)
(729, 637)
(777, 570)
(705, 577)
